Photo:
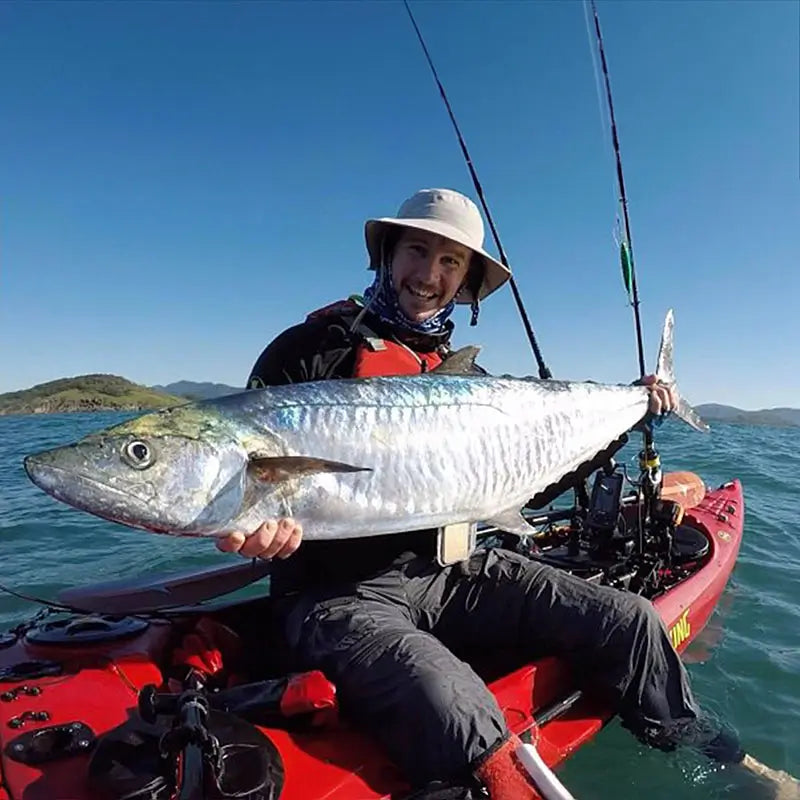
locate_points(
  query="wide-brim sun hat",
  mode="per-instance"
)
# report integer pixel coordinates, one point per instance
(447, 213)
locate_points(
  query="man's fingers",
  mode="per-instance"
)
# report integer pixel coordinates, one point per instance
(663, 397)
(673, 397)
(656, 404)
(292, 543)
(271, 539)
(259, 542)
(282, 536)
(231, 543)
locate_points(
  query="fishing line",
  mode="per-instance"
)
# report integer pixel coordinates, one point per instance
(605, 123)
(544, 371)
(598, 86)
(48, 603)
(53, 606)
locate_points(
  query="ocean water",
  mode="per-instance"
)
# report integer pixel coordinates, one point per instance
(745, 667)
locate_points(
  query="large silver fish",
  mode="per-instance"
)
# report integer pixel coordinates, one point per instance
(348, 458)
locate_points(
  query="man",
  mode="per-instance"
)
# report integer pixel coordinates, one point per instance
(379, 615)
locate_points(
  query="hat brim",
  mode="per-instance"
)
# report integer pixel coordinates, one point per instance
(495, 273)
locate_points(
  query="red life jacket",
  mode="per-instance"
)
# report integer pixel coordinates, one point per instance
(383, 357)
(377, 357)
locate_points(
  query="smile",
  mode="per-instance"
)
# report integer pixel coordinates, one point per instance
(421, 294)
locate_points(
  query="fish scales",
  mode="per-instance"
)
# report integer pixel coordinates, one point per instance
(474, 440)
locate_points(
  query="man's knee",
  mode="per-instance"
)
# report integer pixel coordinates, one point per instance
(430, 711)
(449, 720)
(327, 635)
(632, 616)
(644, 616)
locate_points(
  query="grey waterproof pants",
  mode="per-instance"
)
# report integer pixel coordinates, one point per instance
(385, 643)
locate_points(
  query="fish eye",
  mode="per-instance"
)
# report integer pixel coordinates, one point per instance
(138, 454)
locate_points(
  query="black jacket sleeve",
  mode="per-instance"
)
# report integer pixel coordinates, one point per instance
(312, 351)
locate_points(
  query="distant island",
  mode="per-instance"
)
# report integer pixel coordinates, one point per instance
(774, 417)
(86, 393)
(113, 393)
(193, 390)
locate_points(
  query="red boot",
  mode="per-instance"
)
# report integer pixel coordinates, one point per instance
(504, 776)
(516, 771)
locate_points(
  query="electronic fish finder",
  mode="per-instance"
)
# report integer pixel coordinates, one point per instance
(606, 501)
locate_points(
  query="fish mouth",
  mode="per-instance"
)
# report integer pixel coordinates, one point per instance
(51, 479)
(68, 487)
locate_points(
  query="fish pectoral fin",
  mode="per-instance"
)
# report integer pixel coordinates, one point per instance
(274, 469)
(512, 521)
(462, 362)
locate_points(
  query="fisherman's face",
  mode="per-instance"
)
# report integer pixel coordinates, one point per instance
(427, 272)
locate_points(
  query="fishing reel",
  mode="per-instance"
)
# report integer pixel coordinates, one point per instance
(666, 548)
(661, 517)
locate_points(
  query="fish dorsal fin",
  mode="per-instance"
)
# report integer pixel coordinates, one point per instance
(274, 469)
(462, 362)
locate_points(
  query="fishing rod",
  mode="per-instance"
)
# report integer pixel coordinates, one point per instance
(626, 246)
(544, 371)
(649, 459)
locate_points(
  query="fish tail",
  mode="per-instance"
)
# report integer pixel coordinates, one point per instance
(665, 373)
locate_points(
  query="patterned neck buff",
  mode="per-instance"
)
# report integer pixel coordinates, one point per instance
(381, 299)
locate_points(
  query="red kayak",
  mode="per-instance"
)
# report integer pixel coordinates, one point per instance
(67, 683)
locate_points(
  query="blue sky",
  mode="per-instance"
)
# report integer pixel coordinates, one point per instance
(179, 182)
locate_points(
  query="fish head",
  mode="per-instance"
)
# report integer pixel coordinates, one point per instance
(180, 471)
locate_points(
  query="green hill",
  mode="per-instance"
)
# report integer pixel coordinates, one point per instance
(194, 390)
(85, 393)
(774, 417)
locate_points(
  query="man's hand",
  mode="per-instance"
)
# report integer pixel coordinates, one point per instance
(663, 398)
(275, 538)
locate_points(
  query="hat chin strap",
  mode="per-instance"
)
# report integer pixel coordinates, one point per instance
(475, 308)
(475, 304)
(382, 272)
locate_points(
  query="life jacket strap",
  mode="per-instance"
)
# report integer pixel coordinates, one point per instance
(374, 343)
